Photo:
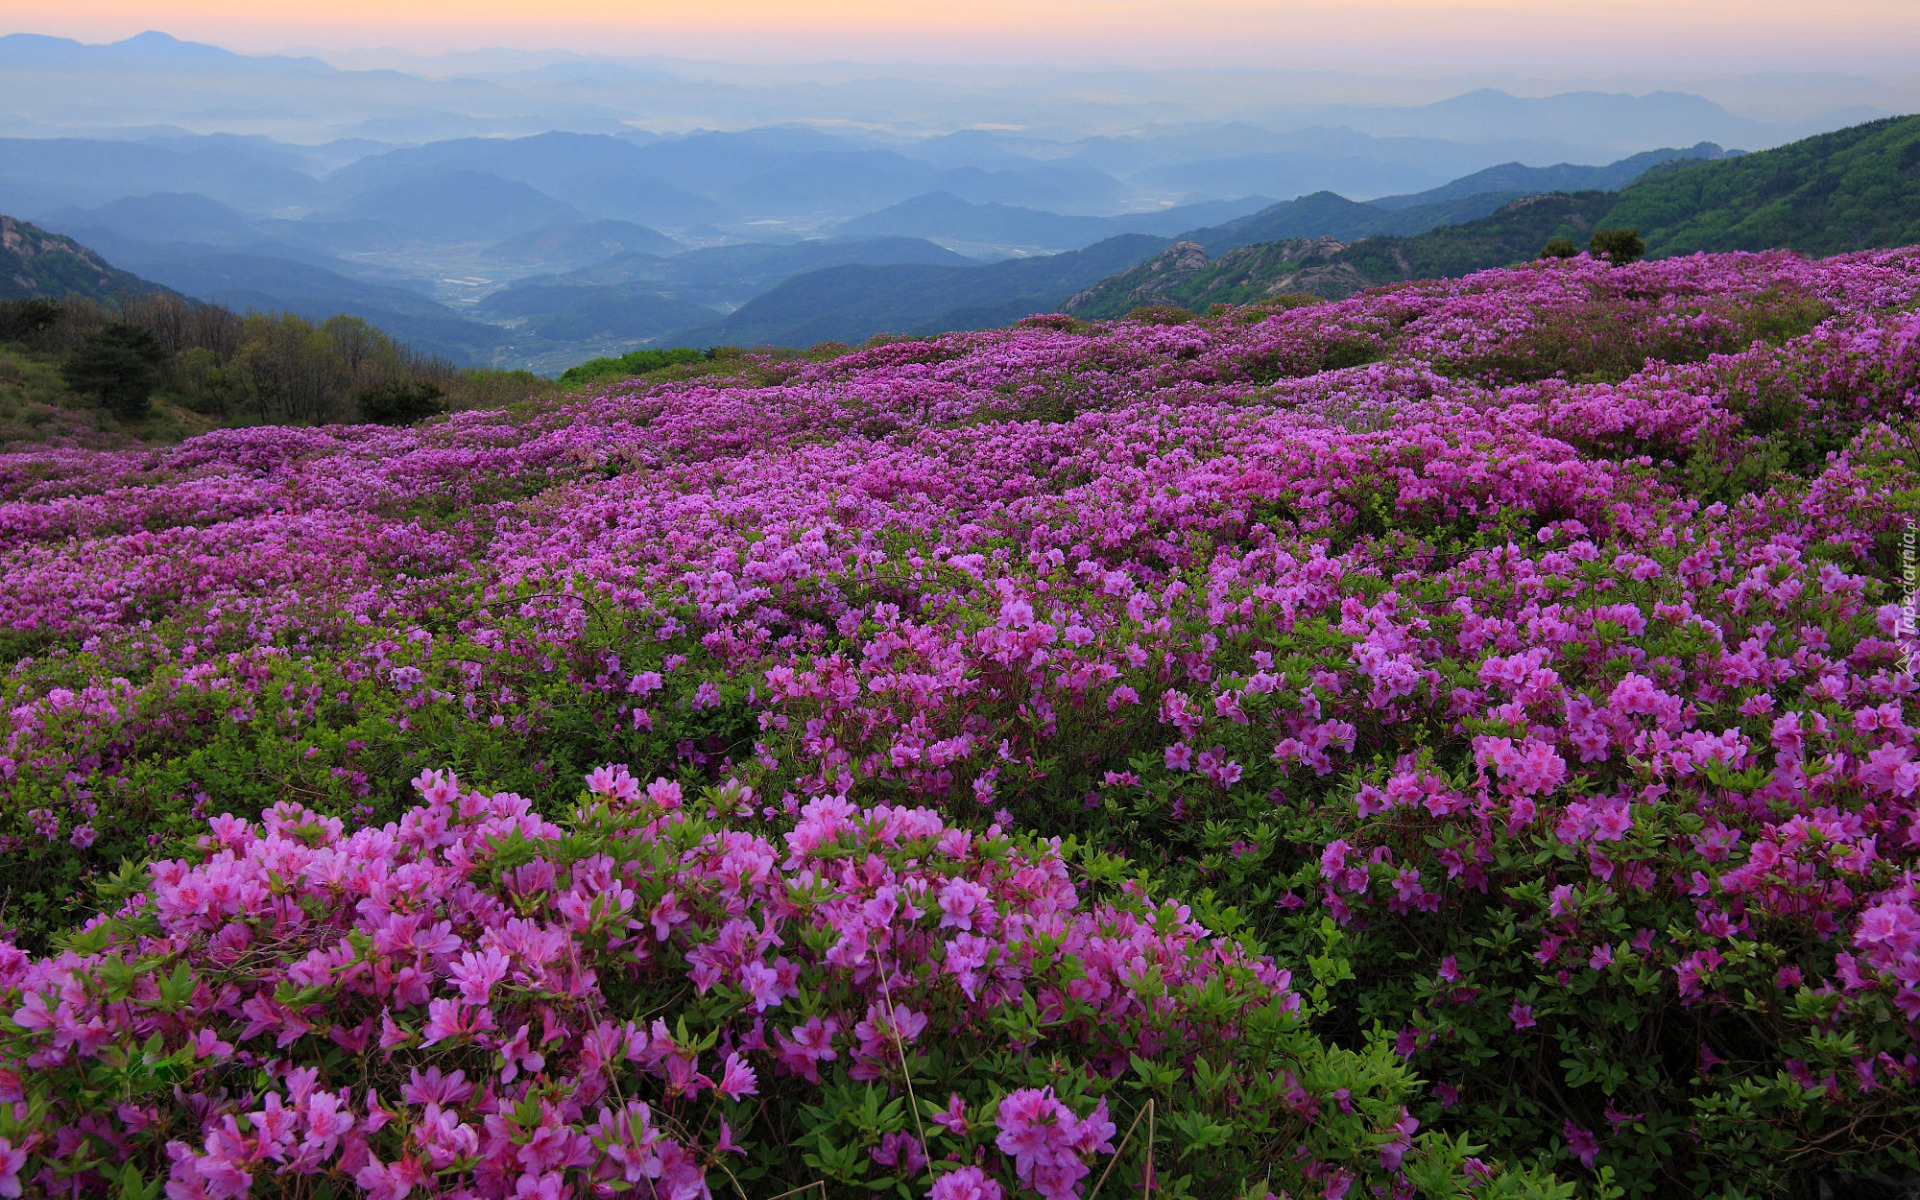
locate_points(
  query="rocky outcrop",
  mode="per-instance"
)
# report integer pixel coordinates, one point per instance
(35, 263)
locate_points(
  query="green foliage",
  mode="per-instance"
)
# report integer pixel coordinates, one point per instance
(1512, 235)
(1849, 190)
(1182, 277)
(634, 362)
(202, 366)
(401, 402)
(1617, 246)
(1160, 314)
(26, 320)
(1559, 248)
(120, 365)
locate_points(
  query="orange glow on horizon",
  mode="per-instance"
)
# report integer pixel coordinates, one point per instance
(1014, 30)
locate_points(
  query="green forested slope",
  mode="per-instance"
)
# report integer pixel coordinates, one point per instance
(1855, 189)
(1851, 190)
(35, 263)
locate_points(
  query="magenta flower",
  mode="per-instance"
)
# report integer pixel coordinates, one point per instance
(13, 1160)
(965, 1183)
(1582, 1144)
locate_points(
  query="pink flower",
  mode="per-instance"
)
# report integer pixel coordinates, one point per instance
(1522, 1015)
(1048, 1142)
(450, 1019)
(737, 1081)
(393, 1182)
(519, 1054)
(13, 1160)
(901, 1151)
(967, 1183)
(1582, 1143)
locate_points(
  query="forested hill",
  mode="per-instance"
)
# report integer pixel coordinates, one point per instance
(35, 263)
(1855, 189)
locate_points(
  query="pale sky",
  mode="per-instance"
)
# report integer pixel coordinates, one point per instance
(1712, 35)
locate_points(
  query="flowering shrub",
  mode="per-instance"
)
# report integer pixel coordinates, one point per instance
(1520, 661)
(476, 1001)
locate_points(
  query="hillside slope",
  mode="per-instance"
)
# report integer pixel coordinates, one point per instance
(1327, 268)
(852, 303)
(1519, 179)
(1449, 721)
(1325, 214)
(1855, 189)
(36, 263)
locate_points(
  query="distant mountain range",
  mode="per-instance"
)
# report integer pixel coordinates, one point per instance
(501, 209)
(1855, 189)
(945, 217)
(852, 303)
(541, 280)
(1310, 229)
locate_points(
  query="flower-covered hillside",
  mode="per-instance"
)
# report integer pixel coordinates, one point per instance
(1416, 745)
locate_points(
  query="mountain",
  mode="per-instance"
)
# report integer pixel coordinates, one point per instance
(1855, 189)
(1324, 214)
(852, 303)
(161, 218)
(1586, 117)
(559, 312)
(726, 277)
(36, 263)
(1516, 179)
(632, 196)
(1338, 159)
(1513, 235)
(258, 282)
(41, 174)
(604, 177)
(944, 216)
(1183, 275)
(576, 245)
(150, 50)
(1849, 190)
(457, 206)
(1327, 267)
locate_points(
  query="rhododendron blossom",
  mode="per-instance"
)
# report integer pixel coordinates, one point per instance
(1007, 717)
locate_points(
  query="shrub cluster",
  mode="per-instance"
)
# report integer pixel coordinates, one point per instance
(224, 367)
(1456, 741)
(634, 362)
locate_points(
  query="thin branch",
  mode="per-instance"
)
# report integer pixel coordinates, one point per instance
(906, 1073)
(1126, 1137)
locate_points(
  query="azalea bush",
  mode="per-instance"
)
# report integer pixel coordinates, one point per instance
(479, 1001)
(1456, 740)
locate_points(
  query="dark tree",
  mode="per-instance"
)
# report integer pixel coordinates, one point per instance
(120, 365)
(1559, 248)
(25, 320)
(401, 402)
(1617, 246)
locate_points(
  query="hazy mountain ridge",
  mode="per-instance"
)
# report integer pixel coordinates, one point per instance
(944, 216)
(699, 218)
(852, 303)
